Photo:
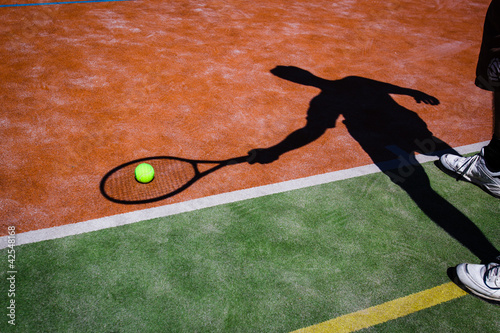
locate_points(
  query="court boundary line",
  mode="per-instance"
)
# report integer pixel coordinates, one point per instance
(388, 311)
(112, 221)
(58, 3)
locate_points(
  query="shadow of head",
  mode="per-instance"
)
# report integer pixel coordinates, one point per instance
(297, 75)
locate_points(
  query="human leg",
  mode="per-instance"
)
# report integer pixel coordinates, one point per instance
(482, 169)
(492, 150)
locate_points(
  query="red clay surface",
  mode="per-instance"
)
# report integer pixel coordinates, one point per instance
(87, 87)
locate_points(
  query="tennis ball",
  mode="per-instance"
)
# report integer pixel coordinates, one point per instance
(144, 173)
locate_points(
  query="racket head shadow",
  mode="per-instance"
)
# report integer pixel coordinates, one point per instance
(172, 175)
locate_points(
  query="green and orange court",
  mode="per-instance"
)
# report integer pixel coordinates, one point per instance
(319, 240)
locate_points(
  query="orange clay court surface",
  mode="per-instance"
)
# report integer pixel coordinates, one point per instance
(87, 87)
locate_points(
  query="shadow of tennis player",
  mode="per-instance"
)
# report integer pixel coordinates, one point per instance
(389, 133)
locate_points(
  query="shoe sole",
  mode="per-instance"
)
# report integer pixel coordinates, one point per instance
(496, 300)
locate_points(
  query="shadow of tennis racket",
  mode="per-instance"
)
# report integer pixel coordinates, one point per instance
(172, 176)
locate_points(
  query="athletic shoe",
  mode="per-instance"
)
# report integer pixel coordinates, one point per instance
(482, 280)
(474, 170)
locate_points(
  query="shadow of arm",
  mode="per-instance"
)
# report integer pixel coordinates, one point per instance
(295, 140)
(419, 96)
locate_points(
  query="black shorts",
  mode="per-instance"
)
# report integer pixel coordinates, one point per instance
(487, 71)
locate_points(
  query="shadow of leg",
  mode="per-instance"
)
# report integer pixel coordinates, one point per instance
(414, 181)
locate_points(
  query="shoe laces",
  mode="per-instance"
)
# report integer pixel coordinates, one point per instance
(464, 168)
(492, 276)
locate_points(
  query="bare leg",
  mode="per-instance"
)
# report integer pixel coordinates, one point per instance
(496, 115)
(492, 151)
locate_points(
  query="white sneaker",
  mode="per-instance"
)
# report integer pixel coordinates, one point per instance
(474, 170)
(482, 280)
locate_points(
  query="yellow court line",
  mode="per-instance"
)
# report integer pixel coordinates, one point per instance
(388, 311)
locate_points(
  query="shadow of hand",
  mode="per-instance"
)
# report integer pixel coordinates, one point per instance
(262, 156)
(421, 97)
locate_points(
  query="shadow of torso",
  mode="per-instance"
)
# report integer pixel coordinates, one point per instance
(381, 126)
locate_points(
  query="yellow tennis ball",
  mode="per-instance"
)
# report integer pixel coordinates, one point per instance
(144, 173)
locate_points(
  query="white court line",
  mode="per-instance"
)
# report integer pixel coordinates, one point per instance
(211, 201)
